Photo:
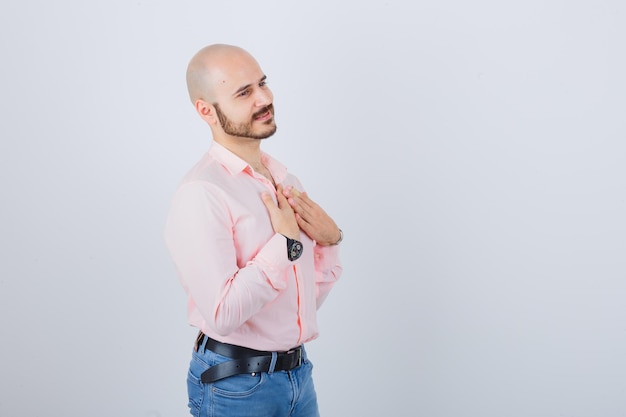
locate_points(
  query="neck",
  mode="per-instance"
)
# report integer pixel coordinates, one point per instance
(247, 149)
(250, 151)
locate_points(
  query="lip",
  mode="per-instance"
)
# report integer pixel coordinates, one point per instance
(265, 116)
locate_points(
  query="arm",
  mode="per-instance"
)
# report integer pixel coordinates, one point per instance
(225, 291)
(327, 270)
(320, 227)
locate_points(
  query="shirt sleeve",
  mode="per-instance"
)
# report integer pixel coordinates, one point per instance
(199, 236)
(327, 269)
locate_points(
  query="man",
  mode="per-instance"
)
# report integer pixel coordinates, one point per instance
(255, 255)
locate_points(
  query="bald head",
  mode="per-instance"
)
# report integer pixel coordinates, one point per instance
(212, 66)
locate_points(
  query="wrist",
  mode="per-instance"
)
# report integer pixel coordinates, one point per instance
(338, 241)
(293, 236)
(294, 248)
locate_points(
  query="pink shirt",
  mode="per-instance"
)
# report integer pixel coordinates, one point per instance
(241, 287)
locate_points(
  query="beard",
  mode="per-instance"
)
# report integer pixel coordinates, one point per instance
(246, 129)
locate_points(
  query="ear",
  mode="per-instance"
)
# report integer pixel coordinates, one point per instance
(206, 111)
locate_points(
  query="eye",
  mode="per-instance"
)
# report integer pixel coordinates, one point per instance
(263, 83)
(244, 93)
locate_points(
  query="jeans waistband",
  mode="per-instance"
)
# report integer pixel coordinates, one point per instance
(246, 360)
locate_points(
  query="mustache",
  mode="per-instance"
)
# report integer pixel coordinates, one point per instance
(264, 110)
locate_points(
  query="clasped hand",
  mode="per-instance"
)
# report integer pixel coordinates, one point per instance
(295, 211)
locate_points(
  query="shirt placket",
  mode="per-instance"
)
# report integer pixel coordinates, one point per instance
(263, 179)
(301, 302)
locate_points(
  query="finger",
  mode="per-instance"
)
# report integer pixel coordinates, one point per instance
(268, 201)
(280, 198)
(306, 210)
(291, 192)
(295, 192)
(304, 225)
(305, 202)
(286, 190)
(293, 197)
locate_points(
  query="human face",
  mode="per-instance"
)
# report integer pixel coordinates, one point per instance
(243, 99)
(248, 129)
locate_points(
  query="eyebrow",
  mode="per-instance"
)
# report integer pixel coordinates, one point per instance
(240, 89)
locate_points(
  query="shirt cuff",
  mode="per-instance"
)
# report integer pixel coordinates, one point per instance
(273, 260)
(326, 257)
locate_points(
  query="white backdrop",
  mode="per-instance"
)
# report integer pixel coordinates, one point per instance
(472, 152)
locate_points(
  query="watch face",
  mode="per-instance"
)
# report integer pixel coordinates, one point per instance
(295, 250)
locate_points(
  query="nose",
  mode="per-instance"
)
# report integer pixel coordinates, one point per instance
(263, 97)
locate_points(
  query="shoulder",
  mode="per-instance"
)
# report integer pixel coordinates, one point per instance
(207, 169)
(204, 182)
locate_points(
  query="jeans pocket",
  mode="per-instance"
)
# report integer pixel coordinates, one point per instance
(195, 387)
(239, 385)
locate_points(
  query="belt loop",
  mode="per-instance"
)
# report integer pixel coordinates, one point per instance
(196, 345)
(201, 340)
(273, 362)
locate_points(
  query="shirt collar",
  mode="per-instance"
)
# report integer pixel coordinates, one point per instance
(235, 164)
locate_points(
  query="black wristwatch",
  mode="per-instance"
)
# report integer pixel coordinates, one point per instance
(294, 249)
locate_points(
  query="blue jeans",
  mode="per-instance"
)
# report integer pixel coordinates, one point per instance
(265, 394)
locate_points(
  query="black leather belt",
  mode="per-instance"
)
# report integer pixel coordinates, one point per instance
(245, 360)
